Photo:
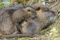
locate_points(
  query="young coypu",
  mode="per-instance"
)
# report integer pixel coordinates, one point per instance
(21, 15)
(44, 18)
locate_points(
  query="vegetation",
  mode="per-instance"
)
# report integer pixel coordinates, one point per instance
(1, 5)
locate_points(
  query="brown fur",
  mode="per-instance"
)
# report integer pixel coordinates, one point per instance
(44, 18)
(20, 16)
(6, 25)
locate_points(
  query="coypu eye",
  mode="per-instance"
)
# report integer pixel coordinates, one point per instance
(38, 8)
(28, 10)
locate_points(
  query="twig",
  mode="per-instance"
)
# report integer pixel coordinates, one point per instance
(54, 4)
(16, 36)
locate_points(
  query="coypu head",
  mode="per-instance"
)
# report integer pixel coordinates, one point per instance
(31, 11)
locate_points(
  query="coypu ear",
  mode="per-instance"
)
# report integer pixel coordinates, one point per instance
(37, 9)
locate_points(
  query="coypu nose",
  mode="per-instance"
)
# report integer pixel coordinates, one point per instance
(33, 17)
